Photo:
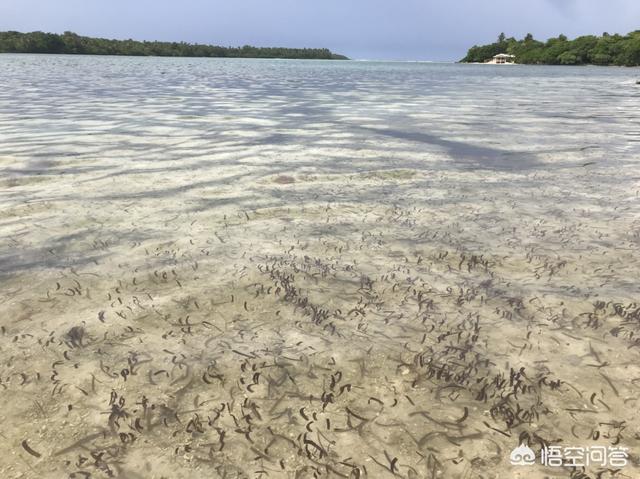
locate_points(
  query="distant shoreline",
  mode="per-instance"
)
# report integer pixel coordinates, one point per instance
(70, 43)
(604, 50)
(582, 65)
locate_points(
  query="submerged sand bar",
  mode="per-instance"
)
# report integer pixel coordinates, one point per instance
(251, 269)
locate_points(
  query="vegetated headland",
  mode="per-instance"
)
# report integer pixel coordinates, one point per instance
(71, 43)
(620, 50)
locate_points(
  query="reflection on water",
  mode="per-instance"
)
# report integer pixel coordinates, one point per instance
(257, 268)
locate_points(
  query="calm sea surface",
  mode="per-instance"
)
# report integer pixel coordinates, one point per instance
(223, 268)
(476, 116)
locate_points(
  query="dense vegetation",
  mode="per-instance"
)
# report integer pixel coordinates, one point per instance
(604, 50)
(70, 43)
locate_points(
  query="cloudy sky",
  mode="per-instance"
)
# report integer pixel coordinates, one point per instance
(380, 29)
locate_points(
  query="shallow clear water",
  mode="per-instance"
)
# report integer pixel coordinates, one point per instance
(387, 244)
(480, 115)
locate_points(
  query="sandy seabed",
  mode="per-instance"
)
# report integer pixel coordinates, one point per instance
(203, 278)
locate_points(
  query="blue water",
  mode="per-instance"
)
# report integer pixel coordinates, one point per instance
(479, 115)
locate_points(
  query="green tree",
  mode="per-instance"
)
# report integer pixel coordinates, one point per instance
(70, 43)
(589, 49)
(568, 58)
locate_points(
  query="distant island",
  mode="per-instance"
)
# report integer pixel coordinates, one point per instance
(587, 50)
(73, 44)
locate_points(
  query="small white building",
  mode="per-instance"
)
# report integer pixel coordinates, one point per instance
(502, 59)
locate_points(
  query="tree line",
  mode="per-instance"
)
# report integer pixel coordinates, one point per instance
(71, 43)
(620, 50)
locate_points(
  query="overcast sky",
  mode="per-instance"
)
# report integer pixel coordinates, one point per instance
(373, 29)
